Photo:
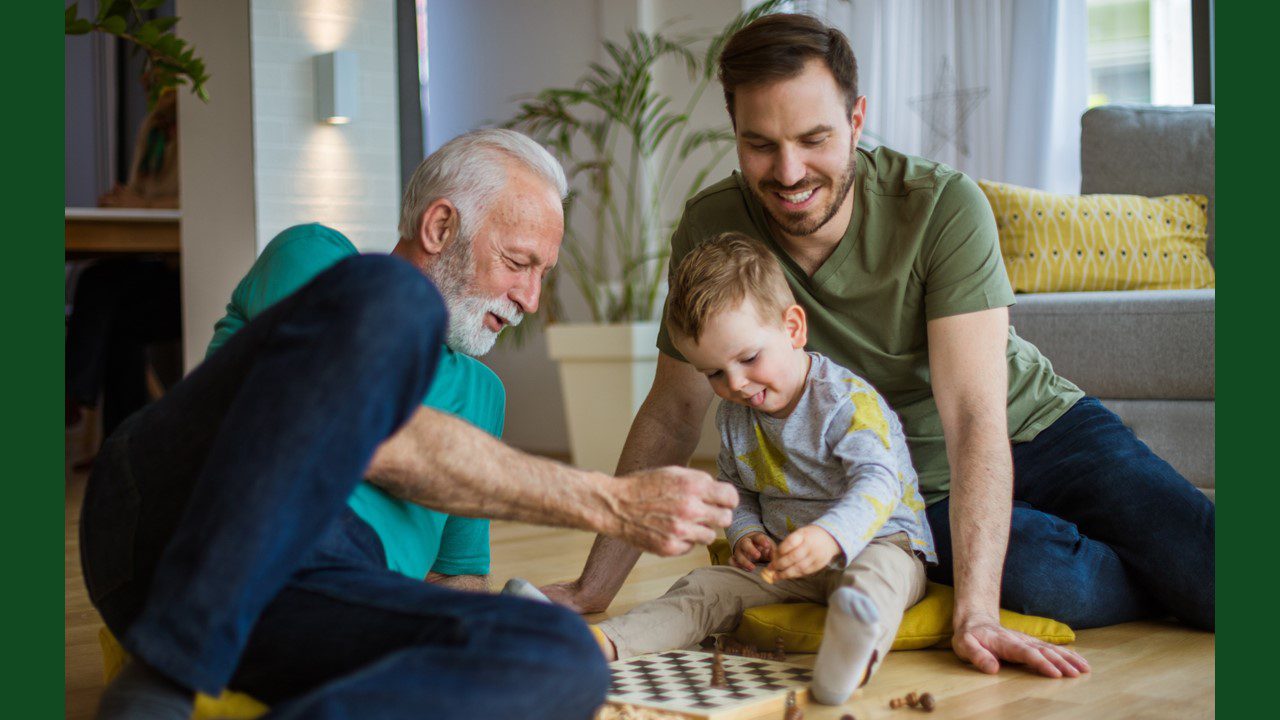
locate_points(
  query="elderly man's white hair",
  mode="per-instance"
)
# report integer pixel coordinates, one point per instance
(469, 171)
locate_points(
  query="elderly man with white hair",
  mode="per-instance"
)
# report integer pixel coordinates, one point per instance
(267, 525)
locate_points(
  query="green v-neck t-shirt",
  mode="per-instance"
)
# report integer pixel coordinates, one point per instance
(416, 540)
(921, 245)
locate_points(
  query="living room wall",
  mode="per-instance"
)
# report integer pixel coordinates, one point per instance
(255, 160)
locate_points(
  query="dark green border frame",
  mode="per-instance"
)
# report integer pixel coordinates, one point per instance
(32, 287)
(1246, 203)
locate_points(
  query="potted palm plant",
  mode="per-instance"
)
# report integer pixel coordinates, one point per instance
(624, 145)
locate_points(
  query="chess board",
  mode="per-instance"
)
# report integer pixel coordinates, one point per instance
(679, 681)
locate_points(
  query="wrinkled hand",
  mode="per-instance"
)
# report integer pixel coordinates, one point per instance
(804, 552)
(668, 510)
(750, 549)
(569, 594)
(984, 643)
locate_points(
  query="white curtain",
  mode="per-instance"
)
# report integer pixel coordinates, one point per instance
(994, 88)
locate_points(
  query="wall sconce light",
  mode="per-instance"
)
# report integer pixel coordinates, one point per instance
(337, 87)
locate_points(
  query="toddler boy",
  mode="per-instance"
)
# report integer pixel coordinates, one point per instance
(829, 507)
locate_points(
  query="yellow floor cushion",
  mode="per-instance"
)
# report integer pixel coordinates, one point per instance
(927, 624)
(229, 705)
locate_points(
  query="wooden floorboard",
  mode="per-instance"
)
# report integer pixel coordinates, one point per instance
(1140, 670)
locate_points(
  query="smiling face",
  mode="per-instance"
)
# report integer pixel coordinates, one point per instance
(752, 360)
(491, 281)
(796, 151)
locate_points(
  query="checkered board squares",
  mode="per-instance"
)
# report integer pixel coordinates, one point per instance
(680, 682)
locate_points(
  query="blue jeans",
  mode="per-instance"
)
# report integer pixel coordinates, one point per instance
(1103, 530)
(217, 543)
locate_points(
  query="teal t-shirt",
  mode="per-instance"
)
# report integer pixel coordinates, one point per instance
(416, 540)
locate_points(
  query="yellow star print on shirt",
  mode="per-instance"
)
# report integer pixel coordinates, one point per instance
(766, 463)
(868, 416)
(910, 497)
(883, 511)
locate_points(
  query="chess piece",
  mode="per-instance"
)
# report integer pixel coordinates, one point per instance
(718, 679)
(780, 649)
(768, 575)
(928, 702)
(793, 711)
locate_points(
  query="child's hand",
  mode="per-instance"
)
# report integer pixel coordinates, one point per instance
(804, 552)
(752, 548)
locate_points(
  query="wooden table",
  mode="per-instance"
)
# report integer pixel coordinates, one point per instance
(105, 231)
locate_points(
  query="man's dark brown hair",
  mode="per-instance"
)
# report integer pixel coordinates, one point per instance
(776, 47)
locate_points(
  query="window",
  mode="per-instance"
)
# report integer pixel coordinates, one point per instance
(1140, 51)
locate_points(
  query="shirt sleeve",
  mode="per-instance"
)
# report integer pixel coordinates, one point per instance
(292, 259)
(682, 241)
(746, 516)
(464, 547)
(862, 444)
(962, 268)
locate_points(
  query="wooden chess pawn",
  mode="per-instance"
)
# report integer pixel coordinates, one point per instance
(779, 649)
(718, 679)
(793, 711)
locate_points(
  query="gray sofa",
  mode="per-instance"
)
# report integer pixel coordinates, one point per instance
(1148, 355)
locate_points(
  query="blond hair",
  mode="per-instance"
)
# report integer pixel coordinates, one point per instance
(717, 276)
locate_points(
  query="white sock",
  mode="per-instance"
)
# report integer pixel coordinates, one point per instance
(522, 588)
(848, 639)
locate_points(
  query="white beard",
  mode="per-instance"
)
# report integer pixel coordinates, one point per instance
(467, 332)
(454, 276)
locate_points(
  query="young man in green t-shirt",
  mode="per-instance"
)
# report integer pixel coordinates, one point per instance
(896, 261)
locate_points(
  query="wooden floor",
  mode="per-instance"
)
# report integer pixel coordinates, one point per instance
(1140, 670)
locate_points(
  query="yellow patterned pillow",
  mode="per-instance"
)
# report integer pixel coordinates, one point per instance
(1061, 243)
(926, 624)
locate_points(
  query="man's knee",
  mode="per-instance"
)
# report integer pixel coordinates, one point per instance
(382, 305)
(1046, 570)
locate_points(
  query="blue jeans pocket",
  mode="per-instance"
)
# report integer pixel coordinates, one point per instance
(109, 524)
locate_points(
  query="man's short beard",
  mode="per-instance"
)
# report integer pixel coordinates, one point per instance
(797, 227)
(454, 276)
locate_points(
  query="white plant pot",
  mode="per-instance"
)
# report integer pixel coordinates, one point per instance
(605, 373)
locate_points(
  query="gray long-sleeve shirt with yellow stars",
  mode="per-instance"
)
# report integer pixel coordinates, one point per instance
(838, 461)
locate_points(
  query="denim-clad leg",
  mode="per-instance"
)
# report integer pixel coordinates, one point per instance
(204, 503)
(348, 639)
(1104, 531)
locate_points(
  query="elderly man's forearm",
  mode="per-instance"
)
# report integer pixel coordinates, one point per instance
(441, 462)
(469, 583)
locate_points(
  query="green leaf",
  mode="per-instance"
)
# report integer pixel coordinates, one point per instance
(167, 23)
(149, 4)
(114, 25)
(148, 34)
(70, 15)
(79, 27)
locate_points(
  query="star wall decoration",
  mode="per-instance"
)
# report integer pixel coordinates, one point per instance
(946, 110)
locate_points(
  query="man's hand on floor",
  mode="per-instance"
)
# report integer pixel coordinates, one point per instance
(569, 594)
(984, 643)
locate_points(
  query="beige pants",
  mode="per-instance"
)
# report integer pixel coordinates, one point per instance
(710, 600)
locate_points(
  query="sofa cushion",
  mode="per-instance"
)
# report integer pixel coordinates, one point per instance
(1149, 150)
(1056, 243)
(1153, 344)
